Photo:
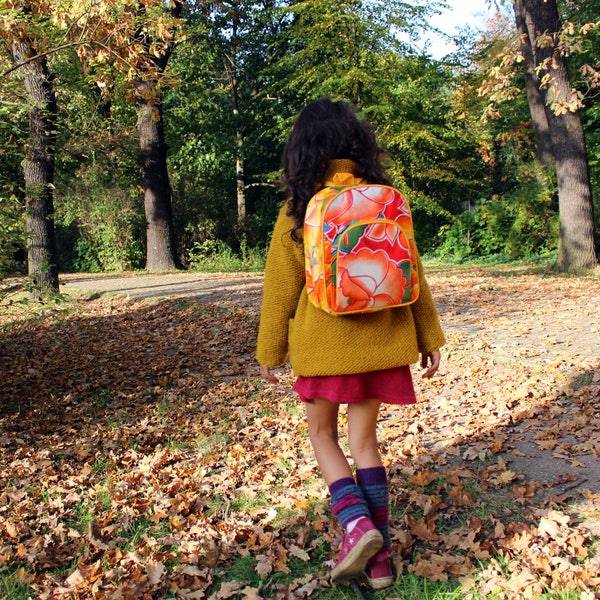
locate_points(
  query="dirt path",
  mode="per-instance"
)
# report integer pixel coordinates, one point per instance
(230, 289)
(531, 320)
(524, 331)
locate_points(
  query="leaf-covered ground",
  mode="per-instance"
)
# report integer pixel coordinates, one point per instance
(142, 457)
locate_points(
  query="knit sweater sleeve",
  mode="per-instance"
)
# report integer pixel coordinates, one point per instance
(425, 314)
(283, 283)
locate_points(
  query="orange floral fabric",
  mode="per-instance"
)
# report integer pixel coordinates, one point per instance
(360, 252)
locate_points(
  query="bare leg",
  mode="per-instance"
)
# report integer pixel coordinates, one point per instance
(322, 418)
(361, 538)
(362, 433)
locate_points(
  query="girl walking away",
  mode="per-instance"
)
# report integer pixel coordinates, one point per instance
(360, 360)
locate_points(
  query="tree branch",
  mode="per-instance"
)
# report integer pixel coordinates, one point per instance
(46, 53)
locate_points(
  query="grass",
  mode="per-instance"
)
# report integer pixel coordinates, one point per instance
(212, 444)
(502, 261)
(103, 397)
(14, 584)
(102, 465)
(412, 587)
(247, 502)
(83, 515)
(582, 380)
(408, 586)
(137, 529)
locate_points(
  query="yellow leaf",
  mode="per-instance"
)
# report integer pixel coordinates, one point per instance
(507, 477)
(299, 553)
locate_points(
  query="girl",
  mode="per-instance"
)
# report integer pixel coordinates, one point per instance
(360, 360)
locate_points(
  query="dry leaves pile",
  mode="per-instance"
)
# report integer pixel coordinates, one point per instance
(142, 457)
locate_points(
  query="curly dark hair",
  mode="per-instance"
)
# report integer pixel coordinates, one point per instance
(325, 130)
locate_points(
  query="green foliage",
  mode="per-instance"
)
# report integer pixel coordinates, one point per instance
(518, 225)
(434, 148)
(215, 256)
(222, 112)
(243, 71)
(591, 119)
(99, 215)
(98, 203)
(104, 230)
(533, 222)
(456, 237)
(13, 113)
(11, 233)
(342, 49)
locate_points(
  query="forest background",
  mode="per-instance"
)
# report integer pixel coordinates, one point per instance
(159, 126)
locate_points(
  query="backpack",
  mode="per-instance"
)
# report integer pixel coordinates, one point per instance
(359, 249)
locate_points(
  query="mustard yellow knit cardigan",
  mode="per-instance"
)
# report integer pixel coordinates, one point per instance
(318, 343)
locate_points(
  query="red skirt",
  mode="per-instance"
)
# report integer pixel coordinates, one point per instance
(392, 386)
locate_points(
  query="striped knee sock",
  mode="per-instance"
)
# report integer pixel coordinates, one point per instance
(347, 501)
(374, 485)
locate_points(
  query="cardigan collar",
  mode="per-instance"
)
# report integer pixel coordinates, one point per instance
(343, 171)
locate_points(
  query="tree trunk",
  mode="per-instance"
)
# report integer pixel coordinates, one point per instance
(231, 67)
(240, 173)
(576, 248)
(38, 169)
(535, 97)
(240, 181)
(160, 245)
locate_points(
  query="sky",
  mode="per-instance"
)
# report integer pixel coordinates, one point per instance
(461, 12)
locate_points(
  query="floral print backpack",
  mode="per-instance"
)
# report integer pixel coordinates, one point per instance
(359, 249)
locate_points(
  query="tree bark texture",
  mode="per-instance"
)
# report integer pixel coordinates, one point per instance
(38, 170)
(160, 244)
(539, 22)
(535, 97)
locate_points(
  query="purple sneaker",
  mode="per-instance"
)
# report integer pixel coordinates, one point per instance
(357, 548)
(379, 572)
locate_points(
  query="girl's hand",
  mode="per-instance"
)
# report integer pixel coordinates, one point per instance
(265, 373)
(431, 359)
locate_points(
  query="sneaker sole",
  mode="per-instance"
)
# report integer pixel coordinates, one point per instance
(356, 560)
(380, 583)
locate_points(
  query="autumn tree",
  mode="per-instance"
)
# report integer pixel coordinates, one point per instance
(137, 39)
(555, 111)
(39, 160)
(154, 56)
(515, 212)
